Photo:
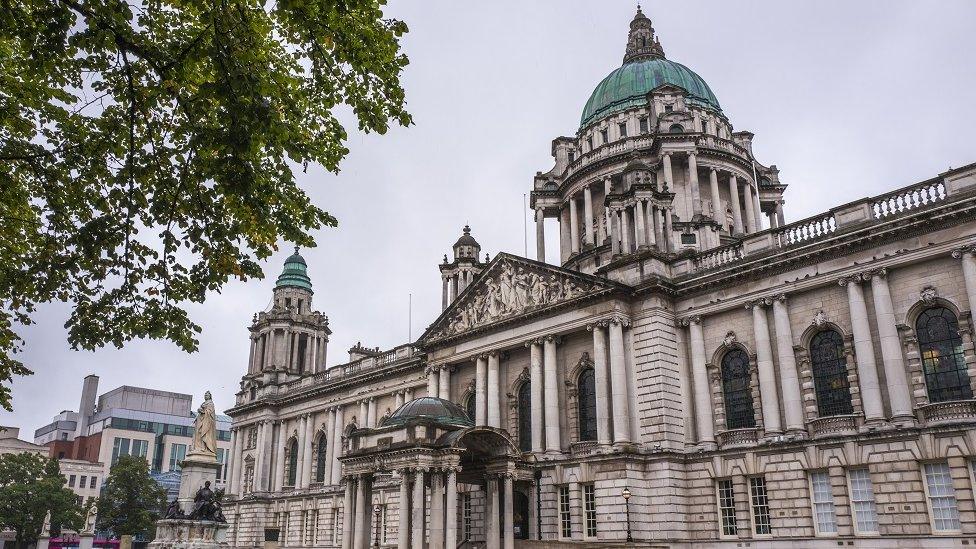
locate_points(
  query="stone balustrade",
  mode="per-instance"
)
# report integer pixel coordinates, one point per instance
(941, 413)
(832, 426)
(737, 438)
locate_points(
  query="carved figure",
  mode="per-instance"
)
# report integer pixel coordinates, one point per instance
(46, 527)
(90, 518)
(205, 429)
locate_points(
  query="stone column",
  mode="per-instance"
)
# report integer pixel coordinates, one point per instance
(659, 229)
(668, 240)
(445, 378)
(450, 527)
(233, 460)
(371, 412)
(614, 233)
(364, 413)
(704, 409)
(625, 235)
(588, 213)
(417, 510)
(780, 218)
(896, 376)
(607, 187)
(264, 455)
(536, 387)
(329, 437)
(403, 511)
(492, 534)
(337, 445)
(757, 208)
(553, 442)
(649, 221)
(481, 390)
(618, 373)
(432, 385)
(445, 301)
(641, 228)
(279, 476)
(436, 509)
(494, 413)
(573, 226)
(750, 213)
(348, 514)
(362, 515)
(693, 180)
(867, 372)
(300, 450)
(668, 172)
(968, 257)
(718, 213)
(602, 384)
(397, 400)
(788, 377)
(736, 208)
(540, 235)
(509, 523)
(768, 394)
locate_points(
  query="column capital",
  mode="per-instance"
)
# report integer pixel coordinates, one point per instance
(554, 339)
(782, 298)
(620, 319)
(492, 353)
(969, 249)
(689, 320)
(597, 324)
(850, 279)
(758, 303)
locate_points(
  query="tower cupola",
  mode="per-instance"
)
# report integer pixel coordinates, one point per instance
(458, 274)
(466, 247)
(641, 42)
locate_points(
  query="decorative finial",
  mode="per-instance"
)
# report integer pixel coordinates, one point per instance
(467, 229)
(296, 250)
(641, 42)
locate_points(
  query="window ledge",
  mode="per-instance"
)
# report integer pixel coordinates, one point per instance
(951, 411)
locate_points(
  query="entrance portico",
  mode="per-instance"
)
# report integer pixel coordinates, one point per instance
(435, 450)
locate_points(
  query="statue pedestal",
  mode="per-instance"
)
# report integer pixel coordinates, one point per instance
(43, 542)
(86, 540)
(196, 469)
(190, 534)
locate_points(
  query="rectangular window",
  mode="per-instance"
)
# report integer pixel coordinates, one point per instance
(572, 156)
(604, 136)
(726, 507)
(589, 143)
(704, 125)
(222, 460)
(466, 518)
(942, 497)
(383, 515)
(140, 448)
(565, 518)
(589, 510)
(120, 447)
(642, 124)
(823, 503)
(760, 505)
(177, 453)
(92, 481)
(82, 481)
(862, 501)
(336, 525)
(622, 127)
(71, 481)
(668, 108)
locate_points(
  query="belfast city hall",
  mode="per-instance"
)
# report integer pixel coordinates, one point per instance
(693, 370)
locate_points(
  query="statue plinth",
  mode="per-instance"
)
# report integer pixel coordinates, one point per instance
(190, 534)
(196, 470)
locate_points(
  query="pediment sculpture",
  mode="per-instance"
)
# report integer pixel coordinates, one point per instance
(510, 290)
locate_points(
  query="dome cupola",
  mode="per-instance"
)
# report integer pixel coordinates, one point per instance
(295, 273)
(429, 408)
(466, 247)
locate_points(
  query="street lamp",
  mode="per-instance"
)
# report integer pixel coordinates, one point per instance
(376, 513)
(626, 496)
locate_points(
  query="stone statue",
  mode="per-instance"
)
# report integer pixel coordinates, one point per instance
(205, 429)
(46, 527)
(90, 520)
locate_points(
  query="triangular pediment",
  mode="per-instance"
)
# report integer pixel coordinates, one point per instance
(509, 288)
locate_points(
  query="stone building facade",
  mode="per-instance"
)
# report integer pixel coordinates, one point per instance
(742, 380)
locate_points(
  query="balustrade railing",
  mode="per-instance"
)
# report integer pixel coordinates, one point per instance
(716, 257)
(805, 230)
(911, 198)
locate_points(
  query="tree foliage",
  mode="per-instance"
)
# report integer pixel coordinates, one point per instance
(148, 148)
(30, 486)
(131, 501)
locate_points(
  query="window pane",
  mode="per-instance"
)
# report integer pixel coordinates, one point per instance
(760, 505)
(942, 497)
(525, 417)
(736, 387)
(587, 404)
(589, 508)
(946, 376)
(823, 503)
(565, 519)
(726, 507)
(830, 374)
(862, 498)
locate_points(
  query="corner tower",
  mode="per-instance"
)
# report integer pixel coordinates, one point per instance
(289, 338)
(458, 274)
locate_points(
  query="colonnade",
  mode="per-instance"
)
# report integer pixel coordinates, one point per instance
(282, 347)
(439, 381)
(613, 413)
(892, 361)
(452, 284)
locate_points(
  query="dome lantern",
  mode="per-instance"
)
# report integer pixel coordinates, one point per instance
(295, 273)
(641, 42)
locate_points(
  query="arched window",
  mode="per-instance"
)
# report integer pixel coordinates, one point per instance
(525, 417)
(292, 462)
(586, 404)
(471, 407)
(676, 128)
(320, 457)
(942, 358)
(736, 387)
(830, 374)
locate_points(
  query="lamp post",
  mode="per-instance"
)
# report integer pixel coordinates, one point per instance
(376, 513)
(626, 495)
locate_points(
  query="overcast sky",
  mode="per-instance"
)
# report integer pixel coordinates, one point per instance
(848, 99)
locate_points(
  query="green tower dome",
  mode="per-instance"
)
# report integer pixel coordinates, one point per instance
(295, 273)
(644, 69)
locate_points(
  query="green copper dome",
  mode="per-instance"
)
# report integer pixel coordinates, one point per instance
(629, 85)
(295, 273)
(432, 408)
